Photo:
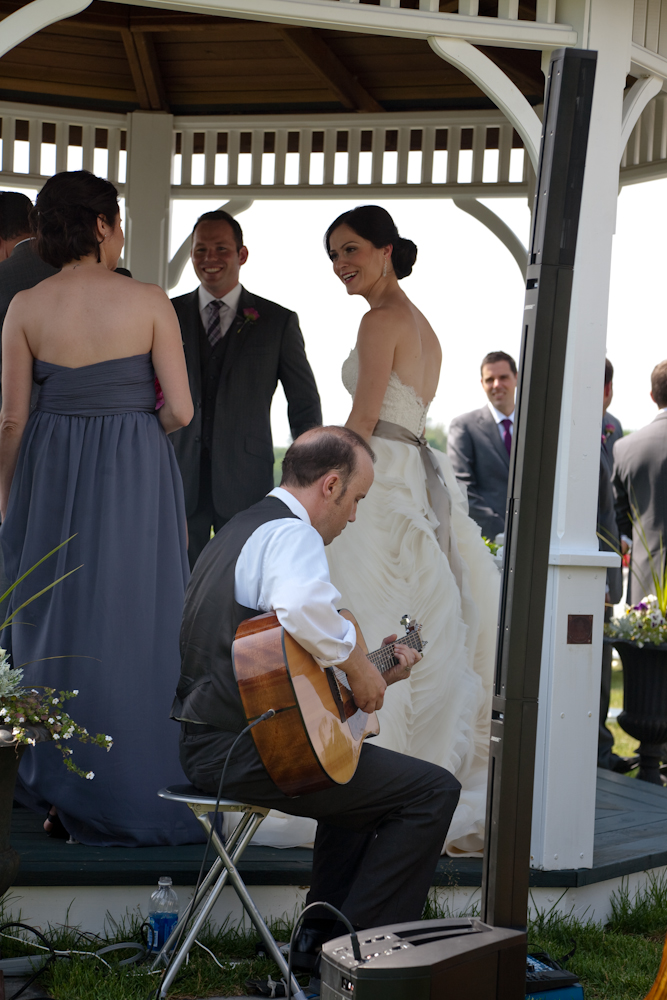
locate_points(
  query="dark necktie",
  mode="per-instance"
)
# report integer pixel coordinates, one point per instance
(213, 331)
(507, 437)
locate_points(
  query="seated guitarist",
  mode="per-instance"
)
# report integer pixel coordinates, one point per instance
(380, 835)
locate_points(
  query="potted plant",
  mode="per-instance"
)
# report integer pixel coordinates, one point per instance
(30, 715)
(640, 637)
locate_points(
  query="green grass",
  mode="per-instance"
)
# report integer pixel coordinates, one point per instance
(618, 961)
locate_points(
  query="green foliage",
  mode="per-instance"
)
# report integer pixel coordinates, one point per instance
(25, 707)
(611, 965)
(643, 911)
(436, 436)
(278, 456)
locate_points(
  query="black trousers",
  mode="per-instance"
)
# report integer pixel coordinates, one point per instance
(205, 516)
(378, 838)
(605, 737)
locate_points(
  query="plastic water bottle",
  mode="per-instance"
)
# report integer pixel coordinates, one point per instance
(162, 915)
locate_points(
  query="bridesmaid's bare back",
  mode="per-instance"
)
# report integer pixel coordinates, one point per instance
(87, 314)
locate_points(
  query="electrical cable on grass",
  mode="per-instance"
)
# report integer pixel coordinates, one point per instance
(354, 940)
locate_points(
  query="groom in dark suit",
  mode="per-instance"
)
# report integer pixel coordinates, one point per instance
(237, 347)
(479, 444)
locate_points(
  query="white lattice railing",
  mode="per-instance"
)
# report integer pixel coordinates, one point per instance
(428, 155)
(407, 155)
(434, 154)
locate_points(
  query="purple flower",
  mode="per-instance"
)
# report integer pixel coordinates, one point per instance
(640, 607)
(251, 314)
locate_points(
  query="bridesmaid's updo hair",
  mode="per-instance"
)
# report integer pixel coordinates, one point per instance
(376, 225)
(65, 215)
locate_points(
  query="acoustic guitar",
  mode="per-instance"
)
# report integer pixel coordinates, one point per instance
(315, 738)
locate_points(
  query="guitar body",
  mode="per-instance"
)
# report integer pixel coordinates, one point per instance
(315, 739)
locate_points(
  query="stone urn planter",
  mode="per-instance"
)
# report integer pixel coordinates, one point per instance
(10, 758)
(644, 714)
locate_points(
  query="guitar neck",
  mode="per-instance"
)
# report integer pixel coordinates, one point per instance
(383, 658)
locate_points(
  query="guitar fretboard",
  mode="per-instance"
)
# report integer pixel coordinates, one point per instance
(383, 658)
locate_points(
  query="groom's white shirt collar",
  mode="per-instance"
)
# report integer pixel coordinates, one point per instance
(231, 301)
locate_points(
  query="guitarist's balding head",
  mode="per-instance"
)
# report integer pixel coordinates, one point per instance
(329, 469)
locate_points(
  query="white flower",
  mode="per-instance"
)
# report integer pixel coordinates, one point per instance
(51, 721)
(75, 691)
(109, 739)
(21, 718)
(54, 701)
(66, 734)
(56, 736)
(90, 775)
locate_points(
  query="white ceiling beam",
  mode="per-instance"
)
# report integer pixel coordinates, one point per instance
(382, 20)
(28, 20)
(497, 86)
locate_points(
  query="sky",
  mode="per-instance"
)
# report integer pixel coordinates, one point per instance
(465, 282)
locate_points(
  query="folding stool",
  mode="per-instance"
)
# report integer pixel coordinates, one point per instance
(222, 870)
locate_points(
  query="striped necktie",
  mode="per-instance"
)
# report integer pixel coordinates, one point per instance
(213, 330)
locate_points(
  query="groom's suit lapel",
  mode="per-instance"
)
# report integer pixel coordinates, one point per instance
(236, 336)
(191, 332)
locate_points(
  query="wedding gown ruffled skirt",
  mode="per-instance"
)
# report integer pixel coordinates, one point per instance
(389, 562)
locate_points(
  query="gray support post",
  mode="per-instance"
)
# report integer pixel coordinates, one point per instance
(147, 195)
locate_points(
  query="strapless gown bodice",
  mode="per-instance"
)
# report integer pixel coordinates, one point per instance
(120, 385)
(401, 404)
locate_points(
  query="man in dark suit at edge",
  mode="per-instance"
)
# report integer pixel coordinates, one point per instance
(479, 444)
(609, 541)
(20, 265)
(237, 347)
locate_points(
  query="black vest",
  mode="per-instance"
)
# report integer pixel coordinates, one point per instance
(207, 691)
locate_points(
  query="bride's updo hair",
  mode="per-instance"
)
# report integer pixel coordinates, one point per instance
(376, 225)
(64, 218)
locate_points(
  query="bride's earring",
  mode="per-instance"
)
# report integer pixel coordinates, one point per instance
(384, 270)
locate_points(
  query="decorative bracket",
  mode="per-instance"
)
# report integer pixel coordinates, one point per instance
(635, 101)
(499, 228)
(497, 86)
(28, 20)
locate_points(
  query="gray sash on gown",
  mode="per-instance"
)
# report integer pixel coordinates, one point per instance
(441, 502)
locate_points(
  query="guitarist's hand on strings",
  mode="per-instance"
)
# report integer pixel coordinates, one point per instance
(406, 657)
(367, 683)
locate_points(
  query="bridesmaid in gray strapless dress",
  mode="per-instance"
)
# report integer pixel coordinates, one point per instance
(96, 462)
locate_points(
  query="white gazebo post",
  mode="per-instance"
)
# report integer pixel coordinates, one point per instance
(565, 772)
(148, 194)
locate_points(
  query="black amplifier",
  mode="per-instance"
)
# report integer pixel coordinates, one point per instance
(453, 959)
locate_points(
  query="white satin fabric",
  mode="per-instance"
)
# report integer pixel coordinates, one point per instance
(388, 562)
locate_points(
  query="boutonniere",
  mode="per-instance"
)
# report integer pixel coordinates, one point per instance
(251, 315)
(607, 433)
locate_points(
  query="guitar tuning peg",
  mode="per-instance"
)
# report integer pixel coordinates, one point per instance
(407, 621)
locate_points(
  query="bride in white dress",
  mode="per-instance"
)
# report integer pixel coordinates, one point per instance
(398, 556)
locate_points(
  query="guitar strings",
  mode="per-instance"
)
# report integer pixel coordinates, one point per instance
(383, 658)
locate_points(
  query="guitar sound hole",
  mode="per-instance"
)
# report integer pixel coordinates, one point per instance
(335, 692)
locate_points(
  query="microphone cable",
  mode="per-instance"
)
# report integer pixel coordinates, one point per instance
(356, 950)
(155, 995)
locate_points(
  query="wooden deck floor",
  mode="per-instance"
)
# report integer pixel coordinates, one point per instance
(630, 836)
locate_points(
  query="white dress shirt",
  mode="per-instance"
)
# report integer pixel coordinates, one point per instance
(499, 417)
(227, 311)
(283, 568)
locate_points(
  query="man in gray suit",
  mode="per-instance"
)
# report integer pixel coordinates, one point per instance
(20, 266)
(237, 347)
(479, 444)
(640, 485)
